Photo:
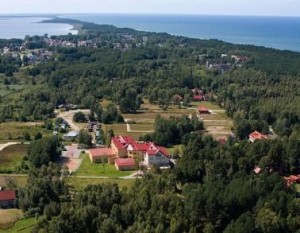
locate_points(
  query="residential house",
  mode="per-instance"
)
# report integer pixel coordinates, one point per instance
(291, 180)
(125, 164)
(157, 155)
(7, 199)
(137, 150)
(119, 145)
(203, 110)
(100, 155)
(257, 136)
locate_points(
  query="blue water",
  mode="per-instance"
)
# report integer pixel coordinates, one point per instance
(19, 27)
(273, 32)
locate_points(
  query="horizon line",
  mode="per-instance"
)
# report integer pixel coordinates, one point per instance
(135, 13)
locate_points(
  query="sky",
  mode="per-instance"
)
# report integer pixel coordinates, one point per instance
(206, 7)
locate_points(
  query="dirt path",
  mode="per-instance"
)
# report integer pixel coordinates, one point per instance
(135, 131)
(68, 117)
(2, 146)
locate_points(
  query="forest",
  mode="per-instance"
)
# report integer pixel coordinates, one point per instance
(213, 187)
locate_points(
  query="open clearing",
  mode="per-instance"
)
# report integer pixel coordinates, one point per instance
(11, 157)
(79, 183)
(9, 217)
(13, 179)
(21, 226)
(217, 123)
(87, 168)
(68, 117)
(15, 130)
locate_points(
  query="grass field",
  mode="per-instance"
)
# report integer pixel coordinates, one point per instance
(14, 130)
(79, 183)
(8, 89)
(11, 157)
(22, 226)
(9, 217)
(88, 168)
(19, 181)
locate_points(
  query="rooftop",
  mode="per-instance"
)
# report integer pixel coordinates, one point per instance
(6, 195)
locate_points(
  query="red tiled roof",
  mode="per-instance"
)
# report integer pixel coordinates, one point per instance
(257, 135)
(7, 195)
(203, 109)
(140, 146)
(198, 97)
(153, 150)
(122, 142)
(101, 152)
(127, 162)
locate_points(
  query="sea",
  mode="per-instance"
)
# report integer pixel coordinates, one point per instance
(20, 26)
(274, 32)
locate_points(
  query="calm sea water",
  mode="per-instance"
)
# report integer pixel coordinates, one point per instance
(18, 27)
(274, 32)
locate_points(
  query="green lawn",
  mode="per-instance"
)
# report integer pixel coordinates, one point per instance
(79, 183)
(11, 157)
(87, 168)
(23, 226)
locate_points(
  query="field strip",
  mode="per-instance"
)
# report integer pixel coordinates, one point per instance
(2, 146)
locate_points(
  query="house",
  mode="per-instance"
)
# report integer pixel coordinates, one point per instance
(203, 110)
(291, 180)
(157, 155)
(72, 135)
(198, 98)
(125, 164)
(119, 145)
(137, 150)
(7, 199)
(257, 170)
(99, 155)
(257, 136)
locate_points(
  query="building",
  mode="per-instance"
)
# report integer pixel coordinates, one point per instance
(7, 199)
(119, 145)
(157, 155)
(125, 164)
(137, 150)
(257, 136)
(72, 135)
(203, 110)
(100, 155)
(291, 180)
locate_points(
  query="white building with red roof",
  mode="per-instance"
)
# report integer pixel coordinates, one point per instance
(157, 155)
(137, 149)
(119, 145)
